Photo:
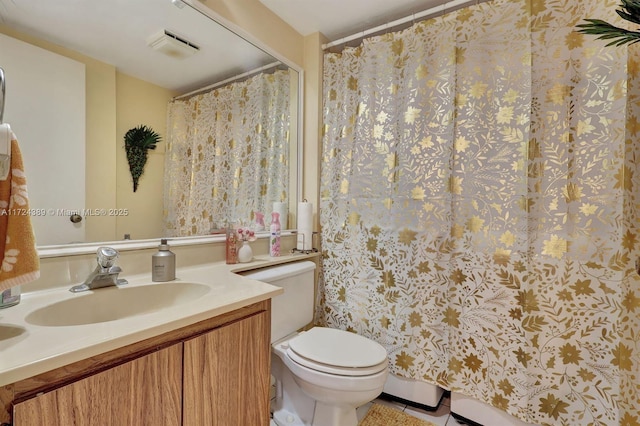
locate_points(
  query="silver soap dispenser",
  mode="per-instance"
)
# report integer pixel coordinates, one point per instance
(163, 263)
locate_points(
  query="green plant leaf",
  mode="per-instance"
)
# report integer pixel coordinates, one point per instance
(606, 31)
(142, 136)
(629, 10)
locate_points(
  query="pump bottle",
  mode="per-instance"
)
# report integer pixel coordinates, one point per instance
(163, 263)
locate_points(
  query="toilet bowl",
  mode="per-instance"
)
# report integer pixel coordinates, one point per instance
(321, 375)
(337, 372)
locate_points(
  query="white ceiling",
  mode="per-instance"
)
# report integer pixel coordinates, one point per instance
(340, 18)
(116, 32)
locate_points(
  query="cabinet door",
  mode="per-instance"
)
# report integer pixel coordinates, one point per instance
(226, 375)
(145, 391)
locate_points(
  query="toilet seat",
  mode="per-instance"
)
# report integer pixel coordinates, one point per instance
(336, 371)
(337, 352)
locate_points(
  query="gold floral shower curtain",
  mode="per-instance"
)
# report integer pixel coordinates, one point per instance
(227, 155)
(479, 208)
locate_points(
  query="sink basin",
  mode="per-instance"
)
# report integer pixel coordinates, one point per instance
(114, 303)
(8, 332)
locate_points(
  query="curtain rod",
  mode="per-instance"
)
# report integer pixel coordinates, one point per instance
(229, 80)
(425, 13)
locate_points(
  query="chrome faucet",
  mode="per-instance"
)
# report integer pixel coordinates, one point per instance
(105, 274)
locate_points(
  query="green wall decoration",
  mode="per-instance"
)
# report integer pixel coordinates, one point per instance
(136, 142)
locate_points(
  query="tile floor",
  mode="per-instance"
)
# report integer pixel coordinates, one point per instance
(439, 417)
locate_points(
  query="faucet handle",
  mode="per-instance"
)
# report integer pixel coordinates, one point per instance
(107, 257)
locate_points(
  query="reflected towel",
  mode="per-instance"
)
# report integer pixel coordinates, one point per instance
(20, 263)
(6, 136)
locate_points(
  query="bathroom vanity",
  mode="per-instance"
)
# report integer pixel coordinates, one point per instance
(201, 359)
(214, 366)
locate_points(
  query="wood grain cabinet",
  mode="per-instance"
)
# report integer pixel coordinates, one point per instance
(224, 376)
(145, 391)
(213, 373)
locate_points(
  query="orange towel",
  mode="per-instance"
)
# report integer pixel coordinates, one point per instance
(19, 259)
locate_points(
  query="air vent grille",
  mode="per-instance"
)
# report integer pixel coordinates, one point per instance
(172, 45)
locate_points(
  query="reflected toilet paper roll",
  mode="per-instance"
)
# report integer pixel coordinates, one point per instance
(283, 209)
(305, 226)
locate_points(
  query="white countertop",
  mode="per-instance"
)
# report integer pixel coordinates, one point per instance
(27, 349)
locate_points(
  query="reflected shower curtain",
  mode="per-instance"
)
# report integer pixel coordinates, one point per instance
(227, 154)
(479, 208)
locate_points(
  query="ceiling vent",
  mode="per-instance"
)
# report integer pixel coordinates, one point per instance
(172, 45)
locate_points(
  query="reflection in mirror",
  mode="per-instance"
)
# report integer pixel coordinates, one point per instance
(80, 75)
(228, 155)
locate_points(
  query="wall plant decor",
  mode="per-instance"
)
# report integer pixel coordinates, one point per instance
(136, 142)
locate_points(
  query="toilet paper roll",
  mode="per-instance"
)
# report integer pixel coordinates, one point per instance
(305, 226)
(283, 210)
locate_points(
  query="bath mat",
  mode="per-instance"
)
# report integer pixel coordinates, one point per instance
(381, 415)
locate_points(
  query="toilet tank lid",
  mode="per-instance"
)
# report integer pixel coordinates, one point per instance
(279, 272)
(338, 348)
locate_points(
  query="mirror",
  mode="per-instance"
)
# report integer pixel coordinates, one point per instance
(107, 67)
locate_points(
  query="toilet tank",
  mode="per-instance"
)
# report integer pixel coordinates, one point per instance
(293, 309)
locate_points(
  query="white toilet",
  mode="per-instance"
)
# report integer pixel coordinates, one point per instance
(322, 375)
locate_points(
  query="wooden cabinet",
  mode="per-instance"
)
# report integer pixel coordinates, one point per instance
(225, 382)
(145, 391)
(215, 372)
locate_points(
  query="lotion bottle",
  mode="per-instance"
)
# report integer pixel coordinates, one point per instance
(163, 263)
(274, 237)
(231, 245)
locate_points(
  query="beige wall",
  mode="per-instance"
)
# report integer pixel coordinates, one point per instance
(140, 103)
(313, 120)
(100, 155)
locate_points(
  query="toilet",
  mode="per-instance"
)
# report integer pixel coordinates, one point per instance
(321, 375)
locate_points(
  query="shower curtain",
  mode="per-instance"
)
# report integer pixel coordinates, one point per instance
(227, 154)
(479, 208)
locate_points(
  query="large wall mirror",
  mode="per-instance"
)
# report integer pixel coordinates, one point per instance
(80, 75)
